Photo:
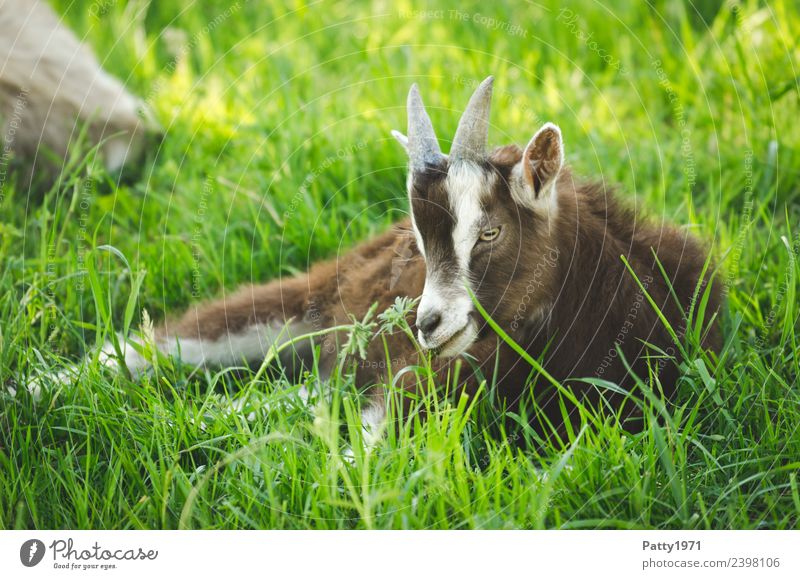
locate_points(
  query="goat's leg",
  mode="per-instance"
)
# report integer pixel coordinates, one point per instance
(236, 330)
(239, 329)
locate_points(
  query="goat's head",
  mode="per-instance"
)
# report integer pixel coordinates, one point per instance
(473, 214)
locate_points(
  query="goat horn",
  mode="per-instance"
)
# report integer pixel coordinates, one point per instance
(423, 147)
(472, 133)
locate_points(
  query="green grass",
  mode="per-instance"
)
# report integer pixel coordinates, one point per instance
(277, 153)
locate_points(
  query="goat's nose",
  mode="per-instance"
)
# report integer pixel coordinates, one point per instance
(429, 322)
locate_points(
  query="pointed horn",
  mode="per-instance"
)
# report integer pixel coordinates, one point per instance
(472, 133)
(423, 147)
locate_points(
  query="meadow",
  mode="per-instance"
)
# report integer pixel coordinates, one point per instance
(277, 153)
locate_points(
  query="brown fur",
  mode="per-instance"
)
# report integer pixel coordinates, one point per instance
(568, 270)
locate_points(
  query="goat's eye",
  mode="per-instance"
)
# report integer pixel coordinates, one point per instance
(490, 234)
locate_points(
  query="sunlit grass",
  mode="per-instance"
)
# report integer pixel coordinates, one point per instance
(277, 153)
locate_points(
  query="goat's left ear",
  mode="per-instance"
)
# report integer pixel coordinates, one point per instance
(401, 138)
(540, 166)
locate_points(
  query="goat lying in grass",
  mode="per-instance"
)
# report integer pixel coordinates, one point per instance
(539, 252)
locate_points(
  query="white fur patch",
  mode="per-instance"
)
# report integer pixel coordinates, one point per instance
(460, 341)
(467, 185)
(248, 346)
(453, 304)
(373, 421)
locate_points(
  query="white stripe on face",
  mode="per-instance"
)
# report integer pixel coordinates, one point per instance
(445, 293)
(467, 184)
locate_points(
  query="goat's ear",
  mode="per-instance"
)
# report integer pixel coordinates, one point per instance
(540, 166)
(401, 138)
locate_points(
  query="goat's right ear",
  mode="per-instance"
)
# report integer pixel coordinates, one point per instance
(401, 138)
(538, 171)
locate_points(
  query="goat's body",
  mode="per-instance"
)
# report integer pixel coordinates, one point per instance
(600, 305)
(330, 294)
(594, 306)
(542, 254)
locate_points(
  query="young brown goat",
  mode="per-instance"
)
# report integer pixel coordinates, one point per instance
(540, 252)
